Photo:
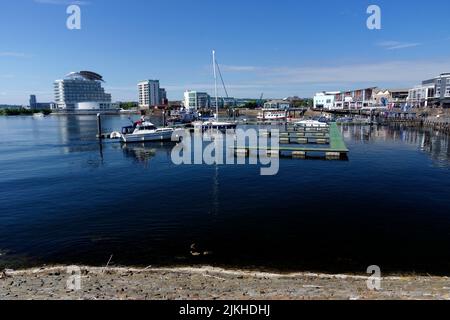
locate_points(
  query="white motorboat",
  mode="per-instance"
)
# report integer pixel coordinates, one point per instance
(272, 115)
(144, 130)
(311, 124)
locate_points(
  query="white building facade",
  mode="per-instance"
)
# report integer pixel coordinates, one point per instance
(420, 96)
(81, 91)
(325, 100)
(194, 100)
(149, 93)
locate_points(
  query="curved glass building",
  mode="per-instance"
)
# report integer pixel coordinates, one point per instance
(81, 91)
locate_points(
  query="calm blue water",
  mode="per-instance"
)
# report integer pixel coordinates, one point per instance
(64, 198)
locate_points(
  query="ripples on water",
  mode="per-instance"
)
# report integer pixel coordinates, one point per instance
(66, 199)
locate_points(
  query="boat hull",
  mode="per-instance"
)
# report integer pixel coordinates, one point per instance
(157, 136)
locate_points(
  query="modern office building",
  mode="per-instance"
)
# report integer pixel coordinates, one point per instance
(431, 93)
(33, 102)
(194, 100)
(81, 91)
(35, 105)
(441, 96)
(149, 93)
(163, 96)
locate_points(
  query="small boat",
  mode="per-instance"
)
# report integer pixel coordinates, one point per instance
(272, 115)
(127, 111)
(39, 115)
(311, 124)
(214, 125)
(144, 130)
(183, 116)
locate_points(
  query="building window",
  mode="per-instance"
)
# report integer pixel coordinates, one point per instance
(447, 92)
(438, 92)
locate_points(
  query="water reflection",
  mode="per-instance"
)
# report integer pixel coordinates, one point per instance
(76, 133)
(143, 152)
(434, 143)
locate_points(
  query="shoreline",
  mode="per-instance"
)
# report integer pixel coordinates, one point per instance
(209, 283)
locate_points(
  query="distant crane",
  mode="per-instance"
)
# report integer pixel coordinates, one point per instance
(260, 102)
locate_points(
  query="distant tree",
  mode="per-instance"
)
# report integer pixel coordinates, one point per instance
(17, 112)
(251, 105)
(128, 105)
(302, 103)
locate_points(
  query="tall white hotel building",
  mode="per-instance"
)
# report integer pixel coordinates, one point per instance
(81, 91)
(149, 93)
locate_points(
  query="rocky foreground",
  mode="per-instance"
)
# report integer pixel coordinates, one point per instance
(58, 283)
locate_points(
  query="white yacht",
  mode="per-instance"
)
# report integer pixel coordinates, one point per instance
(144, 130)
(311, 124)
(215, 124)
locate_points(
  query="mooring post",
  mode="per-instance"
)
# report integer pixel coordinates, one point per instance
(99, 126)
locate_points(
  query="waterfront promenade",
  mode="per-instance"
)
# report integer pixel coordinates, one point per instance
(212, 283)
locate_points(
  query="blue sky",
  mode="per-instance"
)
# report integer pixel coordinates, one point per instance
(281, 48)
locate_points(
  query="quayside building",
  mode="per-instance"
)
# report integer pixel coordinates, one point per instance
(82, 92)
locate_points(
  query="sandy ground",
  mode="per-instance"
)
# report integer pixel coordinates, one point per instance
(59, 283)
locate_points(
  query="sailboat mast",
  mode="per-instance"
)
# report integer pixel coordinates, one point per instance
(215, 85)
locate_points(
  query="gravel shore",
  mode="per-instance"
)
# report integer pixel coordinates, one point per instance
(59, 283)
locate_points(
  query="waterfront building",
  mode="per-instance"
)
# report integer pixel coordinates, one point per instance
(368, 98)
(277, 104)
(81, 91)
(391, 98)
(149, 93)
(420, 96)
(355, 99)
(441, 97)
(194, 100)
(325, 100)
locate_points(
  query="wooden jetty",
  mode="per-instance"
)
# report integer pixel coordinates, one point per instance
(335, 151)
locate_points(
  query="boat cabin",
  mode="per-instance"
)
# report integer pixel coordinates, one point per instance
(139, 126)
